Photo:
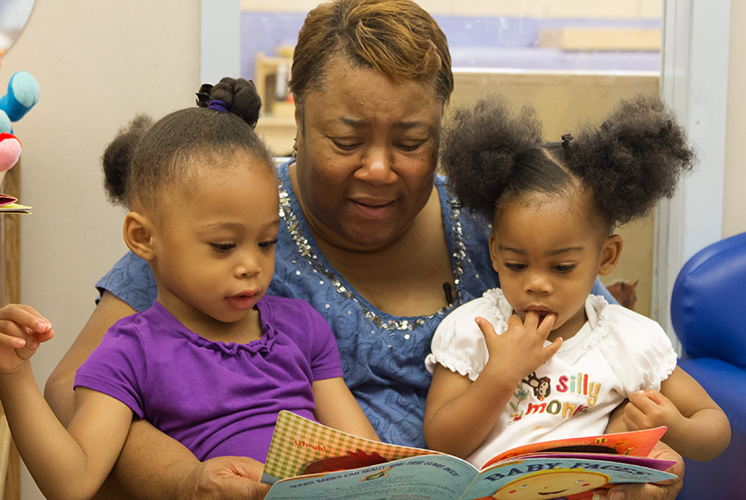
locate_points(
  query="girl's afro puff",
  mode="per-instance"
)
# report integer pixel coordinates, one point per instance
(479, 147)
(632, 160)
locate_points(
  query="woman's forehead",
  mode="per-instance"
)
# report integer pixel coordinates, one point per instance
(340, 74)
(359, 95)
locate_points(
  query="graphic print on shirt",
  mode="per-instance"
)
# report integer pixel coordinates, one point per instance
(542, 386)
(568, 387)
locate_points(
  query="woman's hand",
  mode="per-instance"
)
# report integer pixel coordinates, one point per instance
(225, 478)
(22, 329)
(664, 490)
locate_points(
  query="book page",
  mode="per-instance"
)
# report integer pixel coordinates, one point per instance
(432, 477)
(301, 446)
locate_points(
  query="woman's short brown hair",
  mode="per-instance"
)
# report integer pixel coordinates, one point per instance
(397, 38)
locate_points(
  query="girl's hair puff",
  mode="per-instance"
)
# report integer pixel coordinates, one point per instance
(631, 161)
(146, 156)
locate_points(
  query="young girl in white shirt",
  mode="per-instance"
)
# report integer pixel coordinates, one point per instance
(562, 360)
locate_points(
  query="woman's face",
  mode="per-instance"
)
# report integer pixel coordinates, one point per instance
(366, 155)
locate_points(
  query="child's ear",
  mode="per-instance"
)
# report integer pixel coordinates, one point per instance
(493, 250)
(610, 253)
(138, 235)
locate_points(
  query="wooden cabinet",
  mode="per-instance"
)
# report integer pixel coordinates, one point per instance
(10, 269)
(276, 126)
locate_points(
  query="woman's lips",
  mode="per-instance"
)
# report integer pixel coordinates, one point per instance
(374, 209)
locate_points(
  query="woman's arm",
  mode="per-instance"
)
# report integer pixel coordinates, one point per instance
(153, 465)
(697, 427)
(337, 408)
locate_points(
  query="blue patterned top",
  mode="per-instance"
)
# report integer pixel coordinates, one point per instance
(383, 356)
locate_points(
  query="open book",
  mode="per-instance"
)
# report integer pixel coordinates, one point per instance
(10, 205)
(307, 460)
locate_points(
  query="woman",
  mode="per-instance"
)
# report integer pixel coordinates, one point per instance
(369, 237)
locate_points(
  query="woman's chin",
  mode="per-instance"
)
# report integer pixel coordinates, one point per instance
(368, 237)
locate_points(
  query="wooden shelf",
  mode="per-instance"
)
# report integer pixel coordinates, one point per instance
(277, 124)
(10, 461)
(608, 39)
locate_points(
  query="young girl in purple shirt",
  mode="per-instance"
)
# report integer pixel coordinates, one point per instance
(214, 360)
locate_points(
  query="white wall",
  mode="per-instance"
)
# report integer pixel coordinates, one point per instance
(98, 63)
(734, 201)
(618, 9)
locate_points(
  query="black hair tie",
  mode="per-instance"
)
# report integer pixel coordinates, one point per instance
(566, 141)
(203, 95)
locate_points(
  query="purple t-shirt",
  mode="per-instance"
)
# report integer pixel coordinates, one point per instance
(215, 398)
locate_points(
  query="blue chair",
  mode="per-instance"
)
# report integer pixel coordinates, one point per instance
(708, 313)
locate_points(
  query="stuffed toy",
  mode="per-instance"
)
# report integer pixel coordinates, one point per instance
(23, 94)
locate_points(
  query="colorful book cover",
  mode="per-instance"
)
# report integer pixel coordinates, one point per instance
(314, 462)
(301, 446)
(10, 205)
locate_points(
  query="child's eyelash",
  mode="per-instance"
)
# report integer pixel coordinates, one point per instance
(563, 268)
(267, 244)
(515, 267)
(223, 247)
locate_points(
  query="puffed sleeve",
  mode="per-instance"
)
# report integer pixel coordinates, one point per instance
(117, 366)
(458, 343)
(637, 348)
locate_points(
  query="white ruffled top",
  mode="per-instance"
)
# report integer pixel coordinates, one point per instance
(617, 348)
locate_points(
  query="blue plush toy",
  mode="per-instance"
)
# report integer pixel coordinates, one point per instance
(23, 93)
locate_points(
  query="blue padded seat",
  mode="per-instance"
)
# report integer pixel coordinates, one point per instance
(708, 313)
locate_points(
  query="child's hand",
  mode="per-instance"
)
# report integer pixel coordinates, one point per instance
(520, 350)
(649, 409)
(22, 328)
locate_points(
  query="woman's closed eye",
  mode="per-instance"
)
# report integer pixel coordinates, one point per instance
(346, 144)
(409, 146)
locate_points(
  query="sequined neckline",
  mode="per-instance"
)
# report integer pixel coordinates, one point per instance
(306, 250)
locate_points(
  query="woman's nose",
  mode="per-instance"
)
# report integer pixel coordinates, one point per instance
(377, 166)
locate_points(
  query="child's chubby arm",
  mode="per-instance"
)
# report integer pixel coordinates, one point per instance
(337, 408)
(460, 414)
(66, 464)
(697, 427)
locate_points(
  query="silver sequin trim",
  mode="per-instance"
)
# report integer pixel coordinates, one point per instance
(306, 251)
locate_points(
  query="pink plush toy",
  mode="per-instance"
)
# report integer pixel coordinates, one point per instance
(10, 151)
(22, 95)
